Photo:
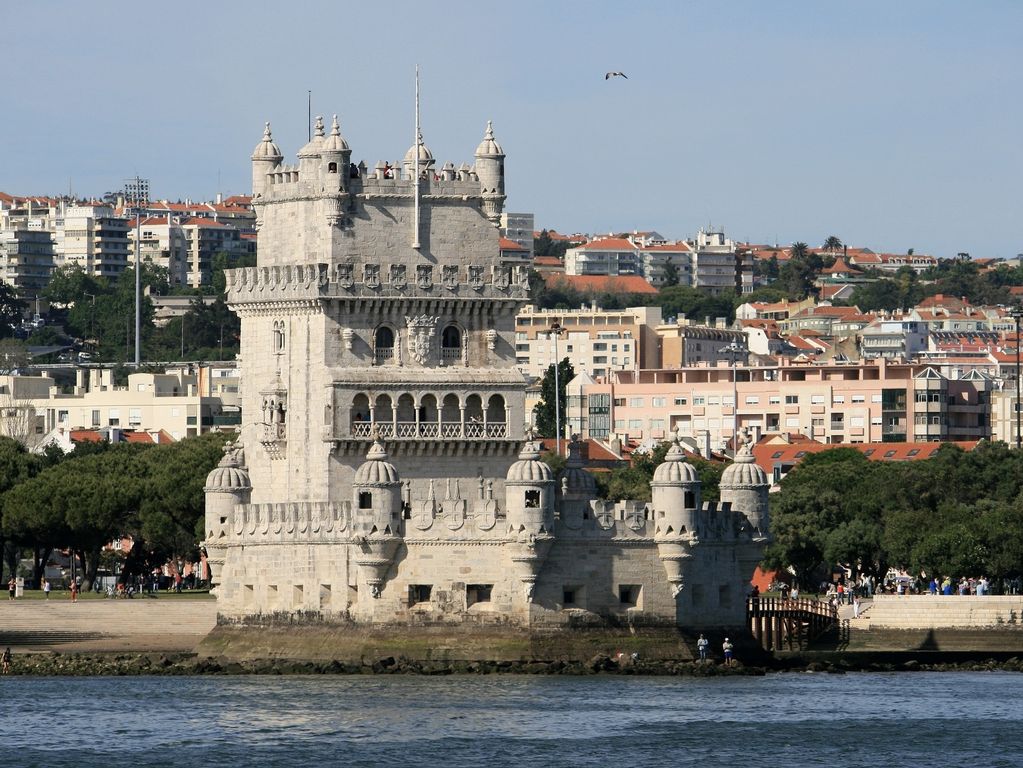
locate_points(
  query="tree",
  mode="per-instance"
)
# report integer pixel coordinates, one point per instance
(544, 410)
(222, 261)
(833, 244)
(797, 275)
(678, 300)
(11, 309)
(16, 466)
(671, 273)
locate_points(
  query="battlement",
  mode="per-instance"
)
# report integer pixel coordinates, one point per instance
(351, 280)
(294, 520)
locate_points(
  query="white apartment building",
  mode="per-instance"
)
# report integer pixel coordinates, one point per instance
(94, 237)
(718, 267)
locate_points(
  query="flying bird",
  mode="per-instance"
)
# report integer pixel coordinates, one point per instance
(609, 75)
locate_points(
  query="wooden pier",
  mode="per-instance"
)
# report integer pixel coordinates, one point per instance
(780, 624)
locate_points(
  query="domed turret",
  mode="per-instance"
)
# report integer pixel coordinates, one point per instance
(529, 492)
(675, 493)
(265, 157)
(377, 503)
(313, 146)
(490, 170)
(426, 160)
(744, 483)
(335, 142)
(226, 486)
(576, 481)
(376, 470)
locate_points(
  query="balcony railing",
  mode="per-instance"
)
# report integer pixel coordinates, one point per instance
(430, 430)
(451, 354)
(383, 355)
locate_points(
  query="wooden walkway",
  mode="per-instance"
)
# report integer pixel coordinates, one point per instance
(781, 624)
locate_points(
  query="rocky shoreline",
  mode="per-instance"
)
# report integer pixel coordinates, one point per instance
(85, 665)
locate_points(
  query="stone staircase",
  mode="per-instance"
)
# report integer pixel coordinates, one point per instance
(140, 624)
(943, 612)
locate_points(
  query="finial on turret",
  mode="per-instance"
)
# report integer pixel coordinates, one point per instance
(319, 126)
(335, 127)
(267, 136)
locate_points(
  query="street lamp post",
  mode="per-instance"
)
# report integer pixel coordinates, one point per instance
(556, 331)
(734, 350)
(1017, 315)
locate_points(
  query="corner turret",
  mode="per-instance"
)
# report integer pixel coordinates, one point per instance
(745, 485)
(490, 170)
(226, 486)
(265, 157)
(377, 504)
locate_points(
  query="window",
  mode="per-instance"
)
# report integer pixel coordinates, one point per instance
(113, 418)
(791, 399)
(571, 596)
(817, 423)
(714, 400)
(532, 499)
(628, 594)
(838, 399)
(856, 421)
(680, 401)
(477, 593)
(816, 399)
(134, 416)
(774, 400)
(857, 398)
(792, 421)
(656, 423)
(419, 593)
(635, 424)
(699, 400)
(95, 418)
(752, 400)
(873, 399)
(636, 402)
(600, 360)
(658, 402)
(365, 500)
(600, 347)
(619, 402)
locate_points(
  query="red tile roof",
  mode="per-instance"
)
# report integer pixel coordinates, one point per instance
(609, 244)
(605, 283)
(770, 454)
(506, 244)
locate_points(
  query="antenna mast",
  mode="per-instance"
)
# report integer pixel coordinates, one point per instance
(415, 168)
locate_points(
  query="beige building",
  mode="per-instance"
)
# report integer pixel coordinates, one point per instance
(596, 341)
(383, 475)
(182, 403)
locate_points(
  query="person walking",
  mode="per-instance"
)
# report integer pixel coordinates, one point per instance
(856, 606)
(727, 648)
(74, 591)
(701, 645)
(5, 661)
(46, 588)
(12, 587)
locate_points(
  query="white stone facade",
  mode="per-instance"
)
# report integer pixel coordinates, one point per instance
(376, 480)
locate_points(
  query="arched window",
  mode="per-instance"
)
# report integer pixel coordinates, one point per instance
(331, 167)
(278, 336)
(451, 344)
(384, 343)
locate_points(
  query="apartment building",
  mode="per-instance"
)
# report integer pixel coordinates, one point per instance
(718, 266)
(93, 236)
(26, 259)
(518, 227)
(606, 256)
(833, 403)
(596, 341)
(182, 402)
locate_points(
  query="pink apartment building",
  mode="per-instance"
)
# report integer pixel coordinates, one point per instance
(874, 401)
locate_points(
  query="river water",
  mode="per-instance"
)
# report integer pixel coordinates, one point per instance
(842, 721)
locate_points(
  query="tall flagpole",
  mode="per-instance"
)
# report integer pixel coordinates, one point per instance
(415, 170)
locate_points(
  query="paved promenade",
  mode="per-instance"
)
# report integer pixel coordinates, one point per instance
(171, 624)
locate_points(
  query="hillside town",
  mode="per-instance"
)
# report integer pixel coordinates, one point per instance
(702, 337)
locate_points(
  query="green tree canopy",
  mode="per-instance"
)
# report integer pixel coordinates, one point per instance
(544, 410)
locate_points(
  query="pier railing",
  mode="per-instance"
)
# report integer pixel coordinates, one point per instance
(784, 624)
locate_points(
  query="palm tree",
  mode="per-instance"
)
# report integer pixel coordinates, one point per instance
(832, 244)
(798, 250)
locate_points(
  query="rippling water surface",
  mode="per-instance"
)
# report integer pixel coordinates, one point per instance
(869, 720)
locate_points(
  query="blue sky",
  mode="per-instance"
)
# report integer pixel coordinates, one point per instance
(889, 124)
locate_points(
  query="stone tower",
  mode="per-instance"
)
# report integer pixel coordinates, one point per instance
(387, 477)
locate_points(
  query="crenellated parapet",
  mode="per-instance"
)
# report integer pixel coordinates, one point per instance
(305, 522)
(362, 280)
